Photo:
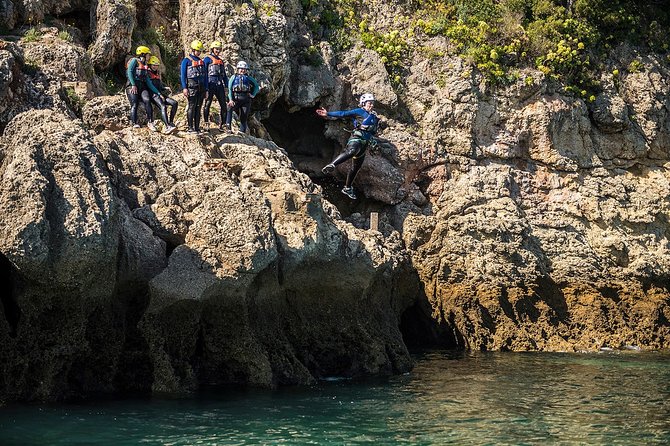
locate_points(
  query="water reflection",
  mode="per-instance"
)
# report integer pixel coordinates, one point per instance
(450, 398)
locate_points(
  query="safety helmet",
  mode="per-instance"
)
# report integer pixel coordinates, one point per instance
(153, 60)
(215, 44)
(197, 45)
(242, 64)
(141, 50)
(365, 97)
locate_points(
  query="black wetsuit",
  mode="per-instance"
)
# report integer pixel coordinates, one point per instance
(193, 78)
(217, 81)
(162, 99)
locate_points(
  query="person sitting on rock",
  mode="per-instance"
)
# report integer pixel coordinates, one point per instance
(163, 99)
(139, 86)
(366, 124)
(193, 81)
(242, 88)
(217, 82)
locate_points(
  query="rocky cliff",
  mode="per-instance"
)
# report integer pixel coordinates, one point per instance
(513, 217)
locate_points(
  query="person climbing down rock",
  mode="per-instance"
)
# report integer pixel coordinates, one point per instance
(193, 81)
(139, 86)
(241, 90)
(366, 124)
(217, 82)
(163, 99)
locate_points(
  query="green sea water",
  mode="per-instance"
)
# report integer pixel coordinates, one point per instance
(449, 398)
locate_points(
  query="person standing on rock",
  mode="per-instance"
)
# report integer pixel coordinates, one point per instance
(193, 81)
(162, 99)
(139, 86)
(366, 124)
(242, 88)
(217, 81)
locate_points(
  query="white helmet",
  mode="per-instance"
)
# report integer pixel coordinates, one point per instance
(242, 64)
(365, 97)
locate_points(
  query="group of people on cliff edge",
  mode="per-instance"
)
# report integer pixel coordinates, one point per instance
(202, 80)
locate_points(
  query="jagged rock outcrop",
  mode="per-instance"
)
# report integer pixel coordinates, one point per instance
(48, 73)
(252, 272)
(70, 251)
(13, 12)
(112, 28)
(550, 231)
(257, 272)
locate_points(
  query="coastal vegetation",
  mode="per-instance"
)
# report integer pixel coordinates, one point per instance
(568, 41)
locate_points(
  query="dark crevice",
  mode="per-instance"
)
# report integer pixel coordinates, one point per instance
(80, 21)
(8, 293)
(420, 330)
(301, 134)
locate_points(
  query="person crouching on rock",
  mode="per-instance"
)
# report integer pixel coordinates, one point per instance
(193, 81)
(162, 99)
(366, 124)
(241, 90)
(217, 82)
(139, 86)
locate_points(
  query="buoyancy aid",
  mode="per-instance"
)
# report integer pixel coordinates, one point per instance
(241, 84)
(369, 124)
(216, 67)
(141, 70)
(196, 69)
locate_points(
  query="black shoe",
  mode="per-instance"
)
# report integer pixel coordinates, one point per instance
(349, 192)
(328, 168)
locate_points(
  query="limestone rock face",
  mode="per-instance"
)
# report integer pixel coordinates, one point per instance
(112, 27)
(549, 223)
(254, 35)
(34, 11)
(50, 73)
(257, 270)
(68, 250)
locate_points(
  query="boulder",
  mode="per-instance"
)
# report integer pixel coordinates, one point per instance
(112, 28)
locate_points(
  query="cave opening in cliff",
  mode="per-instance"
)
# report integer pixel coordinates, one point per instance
(301, 134)
(420, 330)
(8, 292)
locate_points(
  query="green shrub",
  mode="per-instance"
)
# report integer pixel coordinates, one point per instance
(65, 36)
(73, 100)
(32, 35)
(392, 48)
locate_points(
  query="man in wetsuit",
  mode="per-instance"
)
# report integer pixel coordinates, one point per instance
(366, 124)
(217, 82)
(193, 81)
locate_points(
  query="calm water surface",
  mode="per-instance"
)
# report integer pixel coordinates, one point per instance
(449, 398)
